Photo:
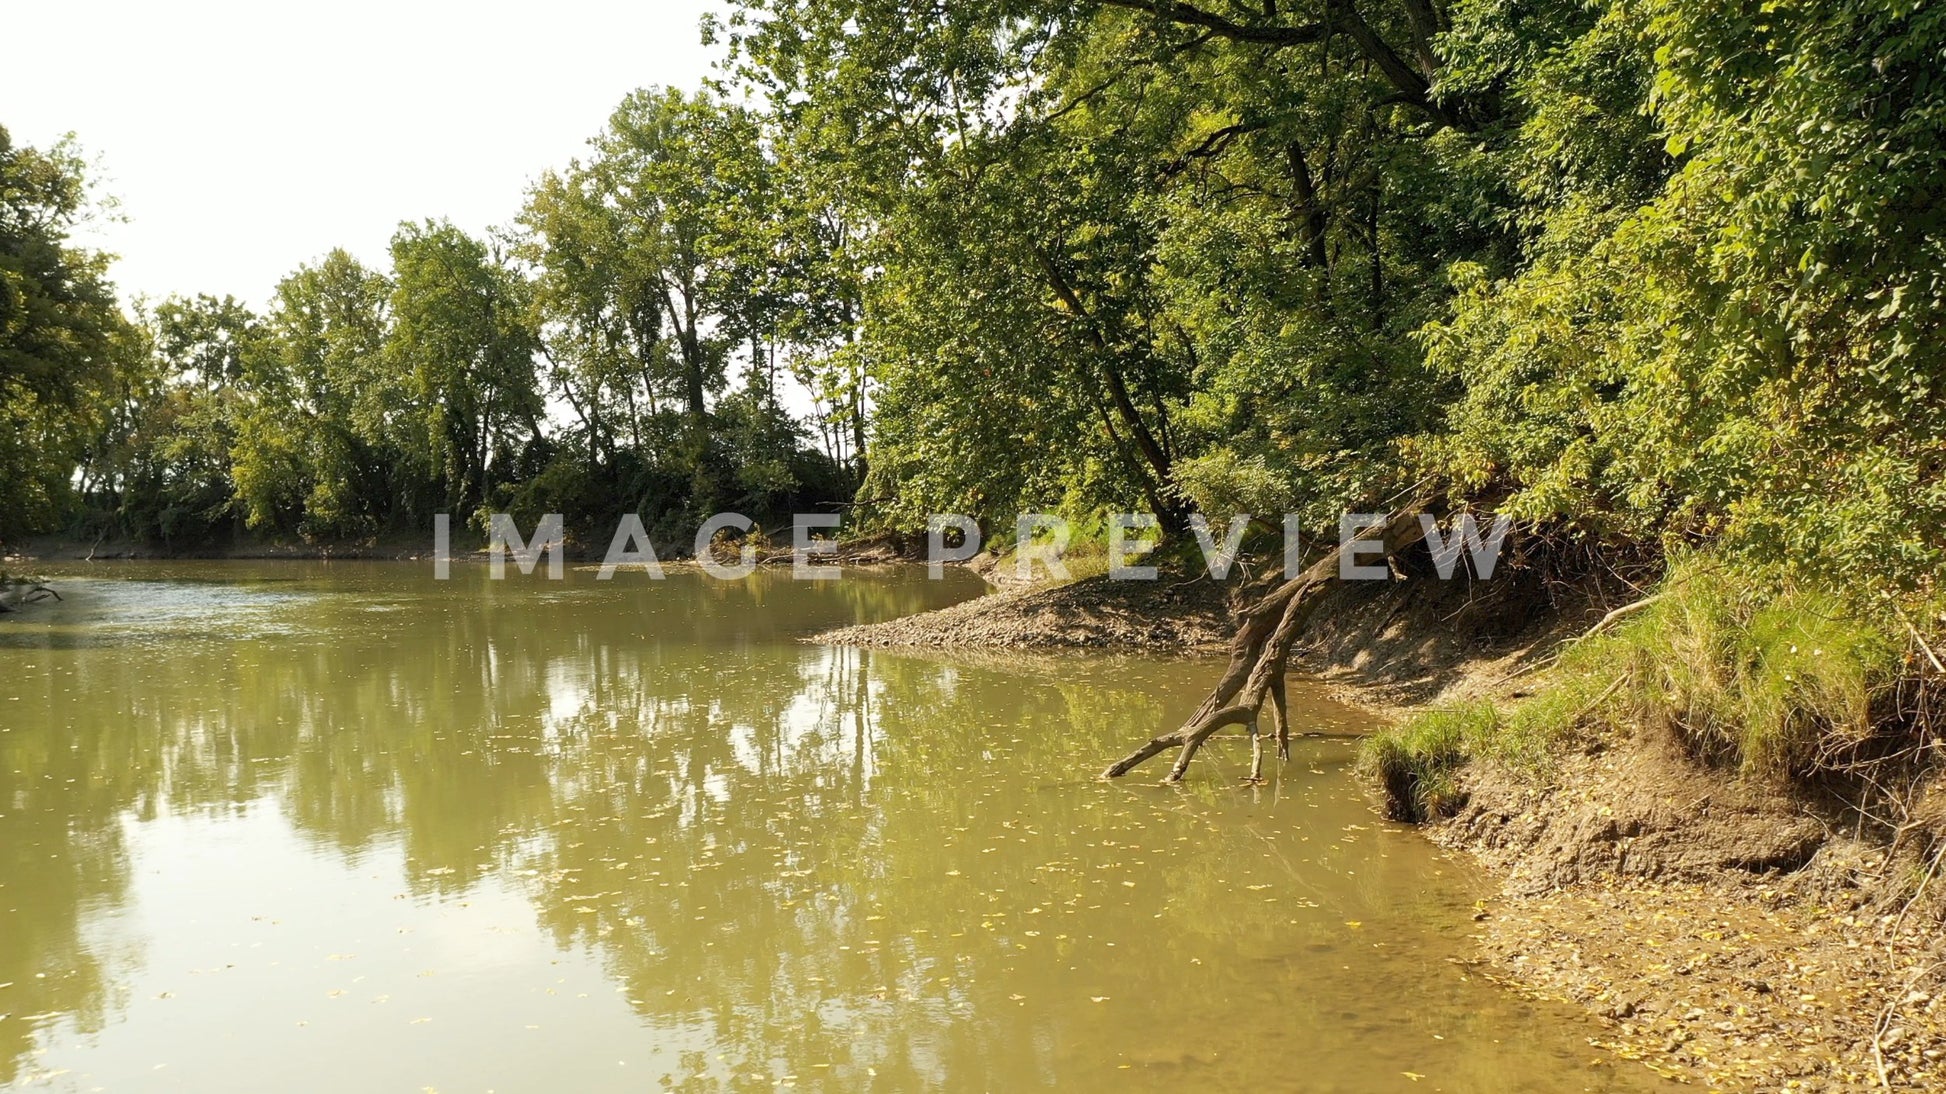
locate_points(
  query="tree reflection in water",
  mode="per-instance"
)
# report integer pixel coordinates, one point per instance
(852, 867)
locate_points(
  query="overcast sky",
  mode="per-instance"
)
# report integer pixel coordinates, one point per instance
(246, 138)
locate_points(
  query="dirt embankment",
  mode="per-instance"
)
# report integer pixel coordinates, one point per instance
(1093, 613)
(1723, 933)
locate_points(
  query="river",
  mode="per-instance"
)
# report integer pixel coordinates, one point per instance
(326, 827)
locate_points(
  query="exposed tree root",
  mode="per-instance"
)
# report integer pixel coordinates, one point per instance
(1258, 656)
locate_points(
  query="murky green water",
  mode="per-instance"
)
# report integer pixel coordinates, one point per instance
(306, 827)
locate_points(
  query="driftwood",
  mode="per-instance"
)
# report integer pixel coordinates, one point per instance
(1258, 656)
(1616, 616)
(34, 590)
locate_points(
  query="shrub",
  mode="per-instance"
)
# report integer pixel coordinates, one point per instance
(1754, 670)
(1745, 667)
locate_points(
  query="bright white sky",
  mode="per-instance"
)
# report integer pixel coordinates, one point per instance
(244, 138)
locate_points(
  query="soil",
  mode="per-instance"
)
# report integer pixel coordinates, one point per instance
(1093, 613)
(1726, 933)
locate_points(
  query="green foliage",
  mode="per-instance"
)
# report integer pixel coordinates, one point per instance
(644, 263)
(1753, 669)
(1746, 668)
(58, 324)
(459, 347)
(364, 401)
(316, 402)
(157, 468)
(1164, 255)
(1753, 353)
(1418, 760)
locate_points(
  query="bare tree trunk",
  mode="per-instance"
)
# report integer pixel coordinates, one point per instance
(1258, 656)
(1156, 471)
(1309, 209)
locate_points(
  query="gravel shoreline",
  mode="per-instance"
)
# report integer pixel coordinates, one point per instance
(1732, 986)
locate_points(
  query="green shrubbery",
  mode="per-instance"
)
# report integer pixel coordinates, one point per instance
(1744, 666)
(1773, 677)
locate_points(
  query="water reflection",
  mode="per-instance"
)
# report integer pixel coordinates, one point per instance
(597, 835)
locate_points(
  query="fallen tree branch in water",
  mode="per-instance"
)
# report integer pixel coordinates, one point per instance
(1258, 656)
(35, 590)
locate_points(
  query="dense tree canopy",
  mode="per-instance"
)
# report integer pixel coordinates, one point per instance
(1650, 271)
(1645, 272)
(585, 360)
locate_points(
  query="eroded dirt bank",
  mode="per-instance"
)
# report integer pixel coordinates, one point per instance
(1724, 934)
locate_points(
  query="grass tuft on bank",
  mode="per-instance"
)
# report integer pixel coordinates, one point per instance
(1746, 668)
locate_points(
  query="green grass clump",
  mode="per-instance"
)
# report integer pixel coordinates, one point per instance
(1419, 759)
(1761, 673)
(1746, 668)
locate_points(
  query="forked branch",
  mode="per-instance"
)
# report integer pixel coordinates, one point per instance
(1258, 656)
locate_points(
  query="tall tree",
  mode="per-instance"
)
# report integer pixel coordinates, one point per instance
(654, 262)
(158, 467)
(58, 325)
(460, 340)
(682, 173)
(317, 404)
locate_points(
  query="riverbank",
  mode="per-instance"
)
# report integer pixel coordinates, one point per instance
(1724, 933)
(1093, 613)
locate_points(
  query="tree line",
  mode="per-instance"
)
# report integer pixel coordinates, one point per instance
(619, 348)
(1639, 271)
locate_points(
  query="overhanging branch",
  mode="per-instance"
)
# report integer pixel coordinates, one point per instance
(1190, 15)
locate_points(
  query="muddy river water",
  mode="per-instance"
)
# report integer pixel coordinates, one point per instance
(331, 827)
